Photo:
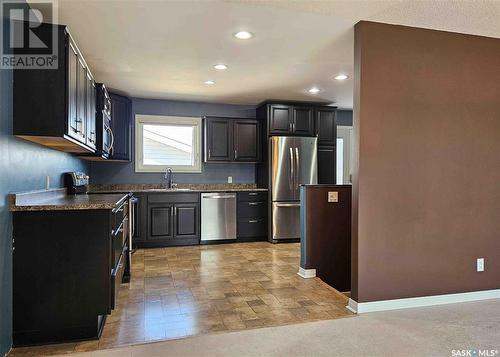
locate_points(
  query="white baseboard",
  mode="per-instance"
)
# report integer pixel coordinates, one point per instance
(307, 273)
(395, 304)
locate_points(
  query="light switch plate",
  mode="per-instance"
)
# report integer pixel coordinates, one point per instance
(230, 179)
(333, 196)
(480, 264)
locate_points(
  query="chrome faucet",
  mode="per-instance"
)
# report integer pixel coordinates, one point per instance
(168, 178)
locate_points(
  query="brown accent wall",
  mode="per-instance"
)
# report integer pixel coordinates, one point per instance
(426, 193)
(325, 238)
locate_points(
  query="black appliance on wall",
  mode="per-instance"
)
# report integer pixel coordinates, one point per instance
(103, 103)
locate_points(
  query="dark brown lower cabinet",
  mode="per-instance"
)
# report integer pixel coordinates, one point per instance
(186, 220)
(173, 219)
(161, 221)
(67, 267)
(252, 216)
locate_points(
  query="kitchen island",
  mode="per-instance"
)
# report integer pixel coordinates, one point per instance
(70, 256)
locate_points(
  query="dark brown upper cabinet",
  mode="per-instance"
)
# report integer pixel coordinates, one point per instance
(218, 139)
(232, 140)
(303, 121)
(280, 119)
(121, 123)
(56, 107)
(326, 126)
(247, 141)
(289, 120)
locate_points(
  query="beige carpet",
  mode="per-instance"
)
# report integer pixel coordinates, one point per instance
(433, 331)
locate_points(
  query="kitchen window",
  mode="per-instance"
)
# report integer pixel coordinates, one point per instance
(167, 141)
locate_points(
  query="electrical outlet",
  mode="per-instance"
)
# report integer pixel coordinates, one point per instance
(230, 179)
(333, 196)
(480, 264)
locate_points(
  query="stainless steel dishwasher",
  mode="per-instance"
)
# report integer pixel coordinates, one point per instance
(218, 216)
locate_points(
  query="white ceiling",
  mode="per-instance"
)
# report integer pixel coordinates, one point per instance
(166, 49)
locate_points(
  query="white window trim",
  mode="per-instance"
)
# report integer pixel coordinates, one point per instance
(141, 119)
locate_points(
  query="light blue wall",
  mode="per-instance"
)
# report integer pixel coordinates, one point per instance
(108, 172)
(344, 117)
(23, 167)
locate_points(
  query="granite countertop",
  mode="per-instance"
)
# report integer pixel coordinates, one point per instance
(182, 188)
(57, 200)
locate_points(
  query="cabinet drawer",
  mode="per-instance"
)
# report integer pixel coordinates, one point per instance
(252, 227)
(252, 209)
(118, 214)
(118, 241)
(116, 280)
(173, 197)
(255, 196)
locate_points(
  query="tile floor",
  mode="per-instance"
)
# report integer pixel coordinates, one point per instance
(183, 291)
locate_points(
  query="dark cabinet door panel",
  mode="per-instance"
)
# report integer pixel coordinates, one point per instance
(161, 221)
(303, 121)
(186, 220)
(326, 126)
(73, 127)
(81, 103)
(90, 112)
(280, 119)
(140, 217)
(120, 125)
(326, 165)
(218, 142)
(247, 143)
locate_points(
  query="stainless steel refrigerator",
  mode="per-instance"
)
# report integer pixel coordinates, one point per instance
(292, 161)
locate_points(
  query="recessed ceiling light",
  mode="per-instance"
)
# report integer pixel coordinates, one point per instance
(341, 77)
(314, 90)
(243, 35)
(210, 82)
(220, 66)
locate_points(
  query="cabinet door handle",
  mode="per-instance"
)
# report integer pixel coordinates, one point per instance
(235, 153)
(253, 194)
(254, 203)
(255, 220)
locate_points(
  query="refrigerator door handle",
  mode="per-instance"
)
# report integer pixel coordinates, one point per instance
(287, 204)
(291, 178)
(297, 173)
